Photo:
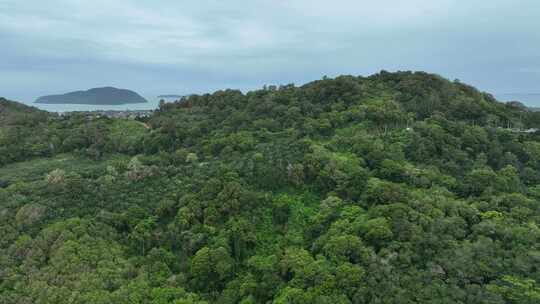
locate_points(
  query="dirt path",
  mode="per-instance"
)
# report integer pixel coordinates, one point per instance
(145, 125)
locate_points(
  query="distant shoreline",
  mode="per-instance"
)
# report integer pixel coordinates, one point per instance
(170, 96)
(89, 104)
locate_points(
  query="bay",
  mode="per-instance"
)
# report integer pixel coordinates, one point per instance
(152, 104)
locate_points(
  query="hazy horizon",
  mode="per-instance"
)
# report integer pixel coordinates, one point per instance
(158, 47)
(531, 99)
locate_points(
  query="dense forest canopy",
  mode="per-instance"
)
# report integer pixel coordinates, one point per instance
(394, 188)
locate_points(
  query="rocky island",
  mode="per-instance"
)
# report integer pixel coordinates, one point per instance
(95, 96)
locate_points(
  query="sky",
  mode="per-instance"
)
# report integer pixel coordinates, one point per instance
(184, 47)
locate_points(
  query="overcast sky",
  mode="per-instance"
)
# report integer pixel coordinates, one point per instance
(172, 46)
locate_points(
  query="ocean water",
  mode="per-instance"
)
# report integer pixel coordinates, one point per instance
(152, 104)
(529, 99)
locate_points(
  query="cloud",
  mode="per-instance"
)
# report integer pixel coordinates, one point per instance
(249, 43)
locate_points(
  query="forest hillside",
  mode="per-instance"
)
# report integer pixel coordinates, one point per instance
(394, 188)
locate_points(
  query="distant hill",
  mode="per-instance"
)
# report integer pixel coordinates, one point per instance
(519, 105)
(15, 113)
(8, 106)
(532, 100)
(96, 96)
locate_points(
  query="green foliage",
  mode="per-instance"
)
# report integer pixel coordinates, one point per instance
(394, 188)
(517, 290)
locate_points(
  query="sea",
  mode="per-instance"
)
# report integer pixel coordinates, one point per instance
(152, 104)
(528, 99)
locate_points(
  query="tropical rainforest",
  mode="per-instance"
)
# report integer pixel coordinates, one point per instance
(398, 187)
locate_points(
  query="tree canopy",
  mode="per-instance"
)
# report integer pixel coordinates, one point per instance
(394, 188)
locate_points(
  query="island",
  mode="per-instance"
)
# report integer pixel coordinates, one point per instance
(95, 96)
